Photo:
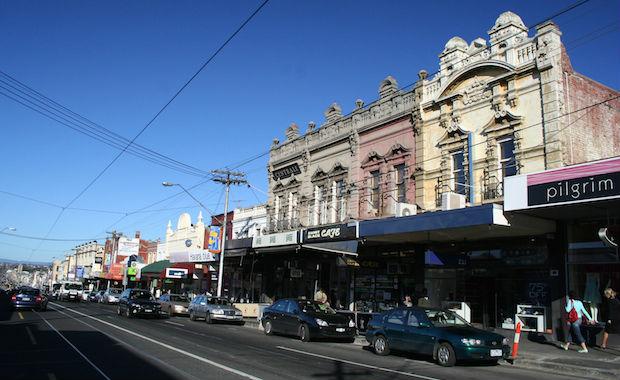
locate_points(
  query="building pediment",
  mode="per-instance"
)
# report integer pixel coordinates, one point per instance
(502, 119)
(372, 156)
(472, 80)
(397, 150)
(453, 133)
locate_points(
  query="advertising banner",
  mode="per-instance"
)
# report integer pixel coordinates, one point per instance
(215, 239)
(128, 247)
(192, 256)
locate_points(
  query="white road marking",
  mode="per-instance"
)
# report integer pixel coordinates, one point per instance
(51, 376)
(174, 323)
(200, 358)
(31, 336)
(358, 364)
(76, 349)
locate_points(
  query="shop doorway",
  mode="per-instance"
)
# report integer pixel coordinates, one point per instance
(481, 293)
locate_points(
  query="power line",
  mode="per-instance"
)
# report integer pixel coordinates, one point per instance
(46, 238)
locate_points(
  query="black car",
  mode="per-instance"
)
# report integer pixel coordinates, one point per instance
(28, 298)
(307, 320)
(138, 302)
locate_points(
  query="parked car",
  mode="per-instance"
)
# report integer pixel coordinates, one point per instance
(138, 302)
(307, 320)
(441, 334)
(174, 304)
(214, 309)
(71, 291)
(85, 295)
(96, 296)
(28, 298)
(110, 296)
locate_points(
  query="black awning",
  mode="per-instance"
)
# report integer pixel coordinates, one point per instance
(345, 247)
(277, 249)
(238, 243)
(236, 252)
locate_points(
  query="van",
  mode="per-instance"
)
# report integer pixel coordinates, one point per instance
(71, 291)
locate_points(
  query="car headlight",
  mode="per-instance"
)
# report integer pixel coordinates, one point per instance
(321, 322)
(218, 311)
(471, 342)
(238, 313)
(136, 306)
(351, 323)
(505, 342)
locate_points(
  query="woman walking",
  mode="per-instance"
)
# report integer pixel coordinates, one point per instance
(576, 311)
(613, 316)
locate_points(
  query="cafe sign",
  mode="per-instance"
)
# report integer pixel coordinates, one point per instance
(330, 233)
(598, 180)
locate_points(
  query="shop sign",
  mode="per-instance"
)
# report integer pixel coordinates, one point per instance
(282, 238)
(128, 247)
(286, 172)
(573, 184)
(192, 256)
(98, 260)
(176, 272)
(330, 233)
(215, 239)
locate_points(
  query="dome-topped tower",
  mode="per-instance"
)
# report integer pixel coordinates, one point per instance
(508, 29)
(454, 43)
(507, 18)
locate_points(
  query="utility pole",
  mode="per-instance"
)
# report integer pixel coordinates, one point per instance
(226, 178)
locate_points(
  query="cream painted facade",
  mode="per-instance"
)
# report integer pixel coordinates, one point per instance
(484, 106)
(249, 222)
(187, 236)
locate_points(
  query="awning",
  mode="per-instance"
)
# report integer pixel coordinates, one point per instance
(156, 267)
(345, 247)
(277, 249)
(238, 247)
(471, 223)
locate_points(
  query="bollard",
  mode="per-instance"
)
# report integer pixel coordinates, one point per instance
(515, 342)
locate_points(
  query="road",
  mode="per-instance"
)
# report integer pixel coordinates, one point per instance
(89, 341)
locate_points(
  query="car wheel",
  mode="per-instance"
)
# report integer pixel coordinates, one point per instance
(208, 318)
(192, 317)
(304, 333)
(380, 345)
(268, 328)
(445, 355)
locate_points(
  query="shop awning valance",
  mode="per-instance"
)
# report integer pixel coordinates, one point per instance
(156, 267)
(345, 247)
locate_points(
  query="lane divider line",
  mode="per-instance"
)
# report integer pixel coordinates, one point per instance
(200, 358)
(174, 323)
(358, 364)
(31, 336)
(75, 348)
(130, 347)
(21, 316)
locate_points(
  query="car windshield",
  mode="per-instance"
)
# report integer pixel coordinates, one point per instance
(29, 292)
(179, 299)
(445, 318)
(141, 295)
(218, 301)
(73, 286)
(315, 307)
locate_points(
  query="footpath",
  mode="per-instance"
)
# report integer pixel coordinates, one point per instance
(539, 352)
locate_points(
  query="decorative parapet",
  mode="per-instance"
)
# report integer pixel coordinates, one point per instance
(337, 128)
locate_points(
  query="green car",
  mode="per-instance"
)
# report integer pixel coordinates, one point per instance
(438, 333)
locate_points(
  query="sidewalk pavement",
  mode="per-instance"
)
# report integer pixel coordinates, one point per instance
(537, 351)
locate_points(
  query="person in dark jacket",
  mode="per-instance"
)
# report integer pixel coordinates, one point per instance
(612, 326)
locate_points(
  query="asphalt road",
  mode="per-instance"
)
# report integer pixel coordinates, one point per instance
(89, 341)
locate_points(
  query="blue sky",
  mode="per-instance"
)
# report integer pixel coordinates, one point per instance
(118, 62)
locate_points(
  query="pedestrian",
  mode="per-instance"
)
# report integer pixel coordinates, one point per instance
(424, 301)
(320, 296)
(575, 313)
(613, 316)
(407, 301)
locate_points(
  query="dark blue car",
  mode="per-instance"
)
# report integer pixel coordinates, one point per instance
(28, 298)
(307, 320)
(438, 333)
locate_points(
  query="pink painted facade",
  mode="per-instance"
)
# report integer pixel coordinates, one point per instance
(386, 159)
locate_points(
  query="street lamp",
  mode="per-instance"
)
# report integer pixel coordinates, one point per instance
(12, 229)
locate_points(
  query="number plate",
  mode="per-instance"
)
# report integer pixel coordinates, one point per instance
(340, 329)
(25, 298)
(496, 353)
(147, 311)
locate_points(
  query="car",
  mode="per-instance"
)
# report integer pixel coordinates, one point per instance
(214, 309)
(85, 295)
(92, 296)
(138, 302)
(174, 304)
(439, 333)
(56, 291)
(110, 296)
(96, 297)
(307, 320)
(28, 298)
(71, 291)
